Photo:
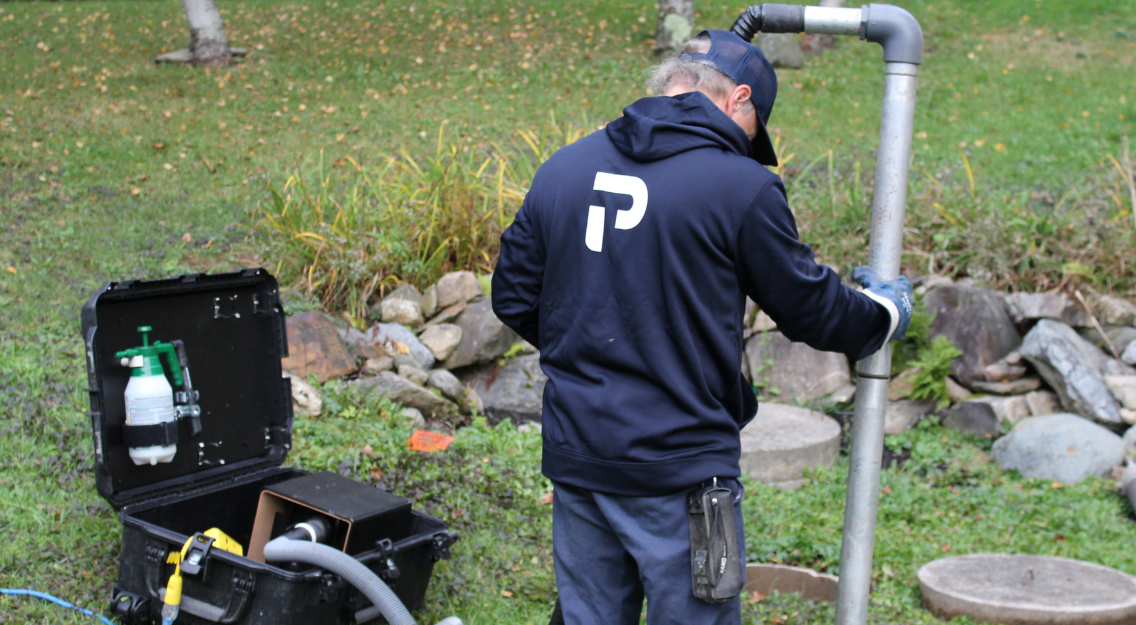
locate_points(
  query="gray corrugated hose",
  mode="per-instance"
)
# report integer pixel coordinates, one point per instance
(354, 572)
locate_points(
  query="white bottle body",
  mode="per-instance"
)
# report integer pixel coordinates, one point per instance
(150, 401)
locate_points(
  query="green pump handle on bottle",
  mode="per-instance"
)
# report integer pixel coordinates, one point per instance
(150, 357)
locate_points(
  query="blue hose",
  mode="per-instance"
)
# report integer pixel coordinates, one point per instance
(56, 600)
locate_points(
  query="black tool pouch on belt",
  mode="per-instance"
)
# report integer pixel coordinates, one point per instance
(714, 563)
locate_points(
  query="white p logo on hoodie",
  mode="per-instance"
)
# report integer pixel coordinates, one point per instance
(624, 219)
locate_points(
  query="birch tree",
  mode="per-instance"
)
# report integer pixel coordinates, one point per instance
(208, 41)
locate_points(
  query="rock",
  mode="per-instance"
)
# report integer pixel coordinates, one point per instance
(842, 395)
(306, 400)
(974, 418)
(782, 578)
(782, 50)
(1024, 307)
(902, 385)
(901, 415)
(484, 337)
(763, 323)
(782, 441)
(934, 280)
(314, 347)
(1071, 366)
(1128, 416)
(446, 315)
(442, 339)
(1129, 354)
(1012, 409)
(1027, 590)
(1016, 387)
(407, 360)
(1115, 311)
(414, 418)
(358, 343)
(1042, 403)
(1120, 336)
(1062, 447)
(404, 292)
(526, 428)
(454, 390)
(414, 374)
(516, 391)
(1123, 388)
(956, 391)
(1129, 442)
(398, 339)
(472, 403)
(402, 312)
(409, 394)
(429, 301)
(377, 364)
(457, 287)
(974, 320)
(1003, 371)
(798, 372)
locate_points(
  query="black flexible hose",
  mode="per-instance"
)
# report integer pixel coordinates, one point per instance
(769, 18)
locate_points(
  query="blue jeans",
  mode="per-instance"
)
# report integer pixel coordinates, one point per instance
(611, 552)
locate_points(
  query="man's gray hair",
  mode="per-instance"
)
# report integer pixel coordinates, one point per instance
(694, 75)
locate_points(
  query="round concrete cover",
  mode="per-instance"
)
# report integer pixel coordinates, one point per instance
(1024, 590)
(783, 441)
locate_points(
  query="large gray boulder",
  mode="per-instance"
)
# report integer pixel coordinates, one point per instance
(396, 339)
(484, 337)
(514, 390)
(409, 394)
(783, 441)
(974, 320)
(1061, 447)
(457, 287)
(794, 372)
(1028, 307)
(1074, 368)
(404, 292)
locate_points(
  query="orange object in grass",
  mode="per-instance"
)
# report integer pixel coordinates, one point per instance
(429, 442)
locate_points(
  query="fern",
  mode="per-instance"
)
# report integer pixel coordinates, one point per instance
(934, 364)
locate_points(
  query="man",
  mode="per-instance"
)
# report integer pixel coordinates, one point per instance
(628, 266)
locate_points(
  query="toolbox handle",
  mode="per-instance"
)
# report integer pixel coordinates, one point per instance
(212, 613)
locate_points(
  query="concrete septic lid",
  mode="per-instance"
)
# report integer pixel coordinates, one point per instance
(783, 441)
(1027, 590)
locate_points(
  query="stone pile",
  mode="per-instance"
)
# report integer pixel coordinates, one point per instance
(438, 353)
(1031, 364)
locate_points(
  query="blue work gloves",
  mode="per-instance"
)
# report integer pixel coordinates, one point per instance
(894, 295)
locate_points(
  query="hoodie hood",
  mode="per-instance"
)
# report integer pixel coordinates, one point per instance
(652, 129)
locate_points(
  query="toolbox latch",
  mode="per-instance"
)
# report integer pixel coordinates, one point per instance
(198, 551)
(129, 607)
(440, 550)
(387, 569)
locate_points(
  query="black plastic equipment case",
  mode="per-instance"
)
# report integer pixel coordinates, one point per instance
(233, 328)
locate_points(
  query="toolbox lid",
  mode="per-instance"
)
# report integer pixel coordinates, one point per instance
(232, 327)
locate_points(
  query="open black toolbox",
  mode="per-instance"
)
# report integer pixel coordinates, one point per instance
(232, 326)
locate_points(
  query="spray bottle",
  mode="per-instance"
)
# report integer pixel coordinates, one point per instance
(150, 430)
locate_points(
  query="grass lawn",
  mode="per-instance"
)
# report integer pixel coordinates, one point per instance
(114, 168)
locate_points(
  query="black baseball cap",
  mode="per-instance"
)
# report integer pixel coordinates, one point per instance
(744, 63)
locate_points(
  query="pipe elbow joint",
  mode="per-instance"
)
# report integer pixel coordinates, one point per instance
(896, 30)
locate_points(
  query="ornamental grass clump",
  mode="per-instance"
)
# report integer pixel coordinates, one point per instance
(347, 237)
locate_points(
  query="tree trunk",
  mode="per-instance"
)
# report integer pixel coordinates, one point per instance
(675, 27)
(208, 41)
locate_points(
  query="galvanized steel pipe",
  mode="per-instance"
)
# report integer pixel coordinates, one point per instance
(902, 39)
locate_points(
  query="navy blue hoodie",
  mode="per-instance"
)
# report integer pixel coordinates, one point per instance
(628, 266)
